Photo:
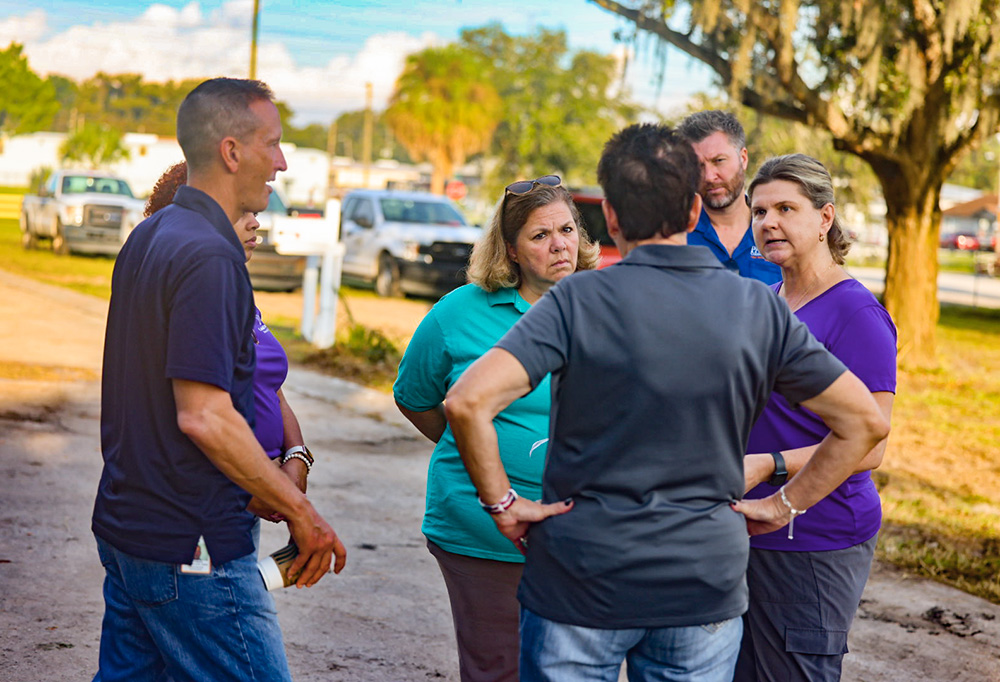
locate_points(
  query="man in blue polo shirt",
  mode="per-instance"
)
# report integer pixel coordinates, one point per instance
(724, 223)
(183, 597)
(640, 550)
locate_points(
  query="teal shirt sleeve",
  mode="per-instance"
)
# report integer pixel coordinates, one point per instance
(422, 380)
(455, 333)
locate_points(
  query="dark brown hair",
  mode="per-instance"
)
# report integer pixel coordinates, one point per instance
(650, 175)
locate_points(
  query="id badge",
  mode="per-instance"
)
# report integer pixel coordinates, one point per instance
(202, 564)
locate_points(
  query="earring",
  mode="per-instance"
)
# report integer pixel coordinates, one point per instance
(822, 237)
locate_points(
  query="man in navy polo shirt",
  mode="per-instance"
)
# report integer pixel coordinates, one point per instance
(183, 597)
(640, 550)
(724, 223)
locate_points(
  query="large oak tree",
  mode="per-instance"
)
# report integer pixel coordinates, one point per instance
(906, 85)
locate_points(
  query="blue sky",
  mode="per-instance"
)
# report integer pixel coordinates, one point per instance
(316, 55)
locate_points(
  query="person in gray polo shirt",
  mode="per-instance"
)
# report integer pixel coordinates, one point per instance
(660, 365)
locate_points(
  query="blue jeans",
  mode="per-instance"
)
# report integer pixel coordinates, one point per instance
(557, 652)
(162, 624)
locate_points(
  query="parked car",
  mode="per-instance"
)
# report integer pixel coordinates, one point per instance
(588, 203)
(80, 211)
(405, 242)
(270, 270)
(965, 241)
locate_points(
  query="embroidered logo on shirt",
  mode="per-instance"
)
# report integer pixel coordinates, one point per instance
(754, 253)
(537, 445)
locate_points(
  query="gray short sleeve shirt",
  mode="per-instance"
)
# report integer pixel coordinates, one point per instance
(660, 365)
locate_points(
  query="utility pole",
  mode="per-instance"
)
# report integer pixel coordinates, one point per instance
(331, 153)
(253, 39)
(366, 139)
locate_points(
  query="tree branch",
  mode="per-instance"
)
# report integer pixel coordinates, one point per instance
(813, 109)
(681, 41)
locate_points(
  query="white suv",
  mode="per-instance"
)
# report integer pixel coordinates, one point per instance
(405, 242)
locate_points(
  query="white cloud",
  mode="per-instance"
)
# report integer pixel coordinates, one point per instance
(321, 92)
(165, 43)
(23, 29)
(163, 15)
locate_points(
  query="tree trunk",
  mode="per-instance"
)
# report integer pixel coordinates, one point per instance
(437, 179)
(441, 169)
(913, 219)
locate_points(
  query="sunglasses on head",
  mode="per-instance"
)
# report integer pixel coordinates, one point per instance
(524, 186)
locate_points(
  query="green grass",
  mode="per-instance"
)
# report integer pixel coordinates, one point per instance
(948, 260)
(360, 354)
(956, 260)
(940, 481)
(87, 274)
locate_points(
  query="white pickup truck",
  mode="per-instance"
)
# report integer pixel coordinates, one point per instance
(82, 211)
(405, 242)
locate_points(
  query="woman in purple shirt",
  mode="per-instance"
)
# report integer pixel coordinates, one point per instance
(806, 581)
(276, 427)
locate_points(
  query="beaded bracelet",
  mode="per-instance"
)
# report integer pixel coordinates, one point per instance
(503, 505)
(301, 450)
(792, 510)
(297, 455)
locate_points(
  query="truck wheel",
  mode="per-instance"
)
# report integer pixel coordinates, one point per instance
(28, 238)
(60, 246)
(387, 279)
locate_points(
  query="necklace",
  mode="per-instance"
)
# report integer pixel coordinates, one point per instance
(804, 298)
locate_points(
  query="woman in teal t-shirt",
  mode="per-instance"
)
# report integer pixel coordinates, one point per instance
(533, 240)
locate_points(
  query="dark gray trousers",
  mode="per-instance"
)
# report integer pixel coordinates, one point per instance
(802, 605)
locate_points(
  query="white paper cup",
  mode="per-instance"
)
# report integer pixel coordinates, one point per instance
(274, 569)
(269, 571)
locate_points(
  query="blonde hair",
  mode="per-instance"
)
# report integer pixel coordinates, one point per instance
(490, 266)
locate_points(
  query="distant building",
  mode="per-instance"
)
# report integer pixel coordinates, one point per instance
(977, 217)
(953, 195)
(347, 174)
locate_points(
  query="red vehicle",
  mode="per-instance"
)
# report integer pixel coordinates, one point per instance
(589, 205)
(965, 241)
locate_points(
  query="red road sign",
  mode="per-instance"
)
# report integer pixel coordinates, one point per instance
(456, 190)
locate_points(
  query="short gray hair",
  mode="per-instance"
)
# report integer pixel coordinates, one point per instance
(700, 125)
(217, 109)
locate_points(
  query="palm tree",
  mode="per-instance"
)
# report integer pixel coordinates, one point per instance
(443, 110)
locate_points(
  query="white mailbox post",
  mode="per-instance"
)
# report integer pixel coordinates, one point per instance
(319, 240)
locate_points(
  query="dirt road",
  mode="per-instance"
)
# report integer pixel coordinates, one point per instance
(385, 618)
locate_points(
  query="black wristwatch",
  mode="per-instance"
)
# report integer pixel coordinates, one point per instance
(780, 470)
